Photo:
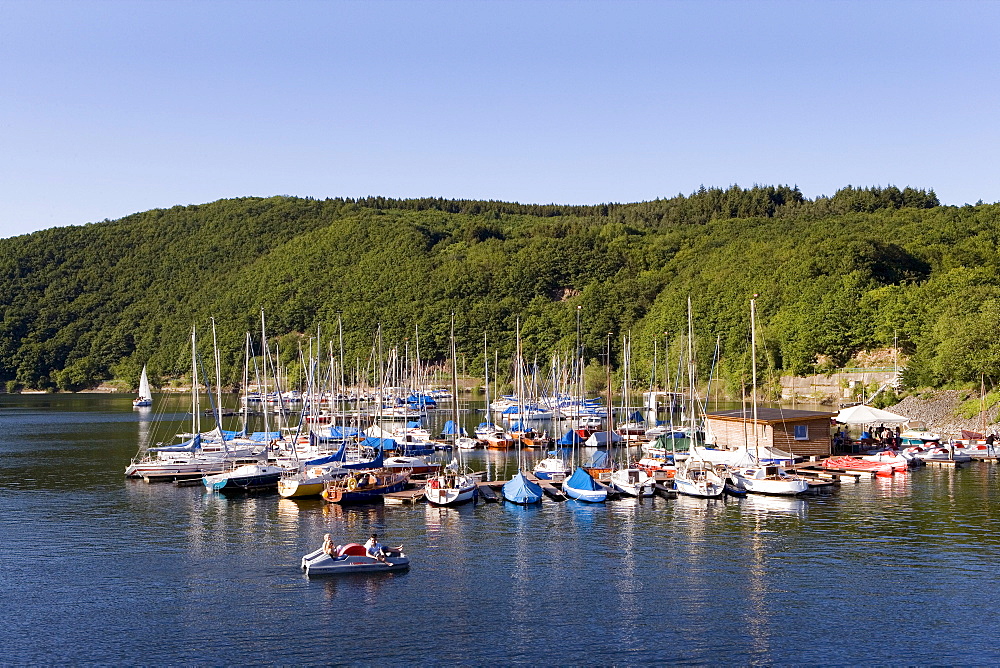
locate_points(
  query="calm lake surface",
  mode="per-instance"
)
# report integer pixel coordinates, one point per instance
(96, 568)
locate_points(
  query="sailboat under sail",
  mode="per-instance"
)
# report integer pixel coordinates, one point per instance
(145, 397)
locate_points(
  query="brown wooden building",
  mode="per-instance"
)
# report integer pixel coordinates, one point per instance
(801, 433)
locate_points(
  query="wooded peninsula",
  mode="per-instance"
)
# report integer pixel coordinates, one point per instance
(833, 276)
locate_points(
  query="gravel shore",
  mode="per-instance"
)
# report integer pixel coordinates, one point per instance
(937, 411)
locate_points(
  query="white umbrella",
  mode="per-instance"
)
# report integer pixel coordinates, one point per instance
(862, 414)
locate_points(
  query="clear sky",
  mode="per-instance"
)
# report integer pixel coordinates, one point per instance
(110, 107)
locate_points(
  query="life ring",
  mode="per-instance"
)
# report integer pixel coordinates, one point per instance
(352, 484)
(435, 483)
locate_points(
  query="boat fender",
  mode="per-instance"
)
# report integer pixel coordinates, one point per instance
(352, 484)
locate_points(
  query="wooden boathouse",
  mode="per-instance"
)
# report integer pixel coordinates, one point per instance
(801, 433)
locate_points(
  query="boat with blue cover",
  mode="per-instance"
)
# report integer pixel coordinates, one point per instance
(522, 491)
(582, 487)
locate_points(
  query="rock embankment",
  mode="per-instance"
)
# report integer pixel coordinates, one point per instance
(938, 410)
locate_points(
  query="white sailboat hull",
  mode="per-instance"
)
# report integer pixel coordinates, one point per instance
(464, 492)
(703, 489)
(781, 485)
(633, 482)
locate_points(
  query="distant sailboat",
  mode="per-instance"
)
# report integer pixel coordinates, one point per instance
(145, 397)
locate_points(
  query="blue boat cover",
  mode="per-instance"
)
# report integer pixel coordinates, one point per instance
(373, 464)
(338, 456)
(582, 480)
(413, 424)
(261, 436)
(380, 444)
(343, 432)
(599, 460)
(521, 490)
(186, 446)
(449, 429)
(636, 417)
(421, 400)
(570, 438)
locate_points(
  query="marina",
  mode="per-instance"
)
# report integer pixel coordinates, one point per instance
(762, 579)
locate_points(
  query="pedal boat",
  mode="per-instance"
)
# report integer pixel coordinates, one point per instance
(353, 558)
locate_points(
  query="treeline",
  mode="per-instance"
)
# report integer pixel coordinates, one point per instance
(834, 276)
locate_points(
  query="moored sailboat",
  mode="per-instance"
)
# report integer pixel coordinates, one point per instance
(582, 487)
(457, 486)
(365, 486)
(756, 477)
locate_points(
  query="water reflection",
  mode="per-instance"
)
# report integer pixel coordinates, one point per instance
(758, 617)
(738, 577)
(760, 507)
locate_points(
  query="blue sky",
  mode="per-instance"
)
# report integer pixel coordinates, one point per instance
(109, 108)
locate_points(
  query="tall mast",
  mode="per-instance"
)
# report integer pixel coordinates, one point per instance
(454, 385)
(520, 388)
(610, 406)
(266, 352)
(691, 371)
(753, 372)
(246, 384)
(486, 374)
(218, 381)
(195, 408)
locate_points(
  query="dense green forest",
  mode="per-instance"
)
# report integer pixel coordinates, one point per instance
(834, 276)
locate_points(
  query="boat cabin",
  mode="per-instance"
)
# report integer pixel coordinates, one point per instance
(801, 433)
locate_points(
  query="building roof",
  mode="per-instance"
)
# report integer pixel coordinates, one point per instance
(769, 415)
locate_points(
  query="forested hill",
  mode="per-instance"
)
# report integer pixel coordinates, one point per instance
(834, 276)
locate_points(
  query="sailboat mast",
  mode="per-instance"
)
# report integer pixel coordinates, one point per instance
(195, 408)
(610, 405)
(266, 353)
(454, 385)
(520, 389)
(753, 371)
(218, 380)
(486, 377)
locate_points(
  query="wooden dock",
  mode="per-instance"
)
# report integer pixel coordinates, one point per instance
(407, 497)
(816, 486)
(487, 493)
(947, 463)
(816, 470)
(663, 491)
(548, 488)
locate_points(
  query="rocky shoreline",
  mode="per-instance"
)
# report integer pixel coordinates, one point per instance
(938, 409)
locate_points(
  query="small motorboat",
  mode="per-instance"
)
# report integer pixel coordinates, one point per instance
(353, 558)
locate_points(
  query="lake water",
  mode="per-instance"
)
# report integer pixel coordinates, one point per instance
(96, 568)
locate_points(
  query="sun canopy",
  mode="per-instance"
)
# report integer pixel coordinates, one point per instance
(862, 414)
